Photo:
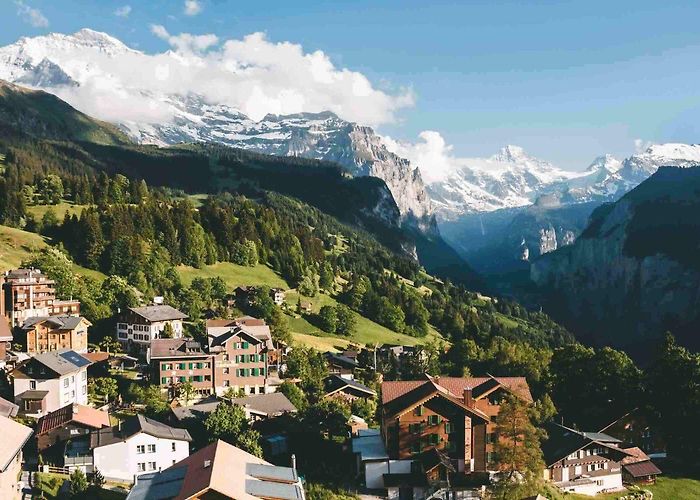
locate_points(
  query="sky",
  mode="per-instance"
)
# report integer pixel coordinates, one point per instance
(567, 81)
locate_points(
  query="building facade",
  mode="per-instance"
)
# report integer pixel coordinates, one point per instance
(240, 362)
(67, 423)
(49, 381)
(51, 333)
(14, 437)
(28, 293)
(137, 446)
(176, 361)
(137, 326)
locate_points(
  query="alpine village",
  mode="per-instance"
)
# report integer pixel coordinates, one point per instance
(192, 319)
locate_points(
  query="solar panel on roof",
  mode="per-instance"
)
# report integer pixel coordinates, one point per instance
(267, 489)
(74, 358)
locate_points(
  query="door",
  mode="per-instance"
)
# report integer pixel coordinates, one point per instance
(565, 474)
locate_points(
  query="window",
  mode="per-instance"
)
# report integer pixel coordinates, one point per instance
(245, 345)
(151, 466)
(84, 390)
(181, 366)
(227, 383)
(121, 335)
(141, 467)
(449, 429)
(164, 380)
(65, 382)
(151, 448)
(172, 446)
(72, 379)
(253, 358)
(226, 371)
(255, 372)
(84, 375)
(414, 428)
(182, 379)
(578, 470)
(32, 384)
(262, 371)
(418, 411)
(433, 419)
(190, 366)
(140, 449)
(416, 447)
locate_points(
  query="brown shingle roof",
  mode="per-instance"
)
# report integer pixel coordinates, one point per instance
(635, 455)
(165, 348)
(641, 469)
(84, 415)
(456, 386)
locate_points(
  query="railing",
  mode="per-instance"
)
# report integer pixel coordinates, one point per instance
(80, 459)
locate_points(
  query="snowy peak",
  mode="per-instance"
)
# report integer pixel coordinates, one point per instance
(605, 163)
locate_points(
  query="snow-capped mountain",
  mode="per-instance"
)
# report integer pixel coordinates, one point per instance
(79, 69)
(510, 178)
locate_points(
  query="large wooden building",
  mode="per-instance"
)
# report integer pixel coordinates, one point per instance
(51, 333)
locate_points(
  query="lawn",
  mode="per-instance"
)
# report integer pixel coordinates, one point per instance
(60, 209)
(234, 275)
(17, 245)
(48, 485)
(666, 488)
(368, 332)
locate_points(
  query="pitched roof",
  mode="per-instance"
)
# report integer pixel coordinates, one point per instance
(96, 357)
(335, 383)
(60, 362)
(14, 436)
(272, 404)
(339, 359)
(237, 331)
(57, 322)
(198, 410)
(641, 469)
(635, 455)
(135, 425)
(79, 414)
(167, 348)
(158, 313)
(422, 392)
(8, 408)
(455, 385)
(223, 469)
(562, 441)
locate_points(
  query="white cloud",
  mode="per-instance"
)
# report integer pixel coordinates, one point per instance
(185, 42)
(252, 74)
(123, 11)
(431, 154)
(31, 15)
(192, 7)
(641, 145)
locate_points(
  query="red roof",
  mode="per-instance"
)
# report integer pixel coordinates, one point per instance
(634, 455)
(72, 413)
(96, 357)
(456, 386)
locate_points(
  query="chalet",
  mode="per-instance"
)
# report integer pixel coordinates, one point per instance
(137, 446)
(341, 365)
(51, 333)
(50, 381)
(220, 470)
(69, 422)
(176, 361)
(137, 326)
(14, 437)
(245, 295)
(240, 362)
(336, 386)
(440, 430)
(587, 463)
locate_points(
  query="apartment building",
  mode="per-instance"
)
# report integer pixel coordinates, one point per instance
(176, 361)
(137, 326)
(240, 362)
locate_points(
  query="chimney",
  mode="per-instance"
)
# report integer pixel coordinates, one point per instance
(468, 398)
(294, 461)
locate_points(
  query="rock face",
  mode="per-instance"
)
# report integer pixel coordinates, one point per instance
(634, 273)
(67, 64)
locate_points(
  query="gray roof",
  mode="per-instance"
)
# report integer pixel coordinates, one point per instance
(199, 410)
(134, 425)
(370, 446)
(333, 383)
(8, 408)
(61, 362)
(271, 404)
(168, 348)
(272, 472)
(158, 485)
(601, 437)
(158, 313)
(269, 489)
(59, 322)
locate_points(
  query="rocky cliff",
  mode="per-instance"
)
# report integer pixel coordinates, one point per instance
(634, 273)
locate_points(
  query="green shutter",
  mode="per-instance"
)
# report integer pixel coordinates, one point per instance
(255, 372)
(262, 371)
(164, 380)
(245, 345)
(419, 411)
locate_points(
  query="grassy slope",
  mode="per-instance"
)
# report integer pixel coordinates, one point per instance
(60, 210)
(17, 245)
(666, 488)
(368, 332)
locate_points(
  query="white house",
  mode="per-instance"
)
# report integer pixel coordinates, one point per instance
(137, 446)
(137, 326)
(50, 381)
(14, 437)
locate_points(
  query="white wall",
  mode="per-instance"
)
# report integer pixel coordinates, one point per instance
(120, 460)
(610, 482)
(59, 394)
(374, 471)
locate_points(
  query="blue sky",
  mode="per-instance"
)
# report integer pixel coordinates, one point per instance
(565, 80)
